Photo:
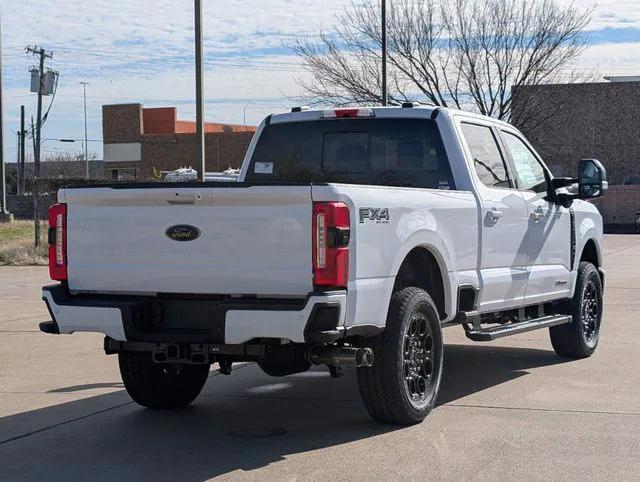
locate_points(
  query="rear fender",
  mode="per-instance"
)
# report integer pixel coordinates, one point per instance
(430, 241)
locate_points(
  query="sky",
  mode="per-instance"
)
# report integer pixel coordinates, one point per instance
(142, 51)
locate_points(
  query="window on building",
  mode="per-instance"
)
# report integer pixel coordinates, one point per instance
(125, 174)
(487, 158)
(529, 171)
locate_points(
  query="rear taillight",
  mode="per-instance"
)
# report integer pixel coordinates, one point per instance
(330, 244)
(58, 242)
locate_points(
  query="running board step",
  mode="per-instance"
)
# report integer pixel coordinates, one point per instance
(488, 334)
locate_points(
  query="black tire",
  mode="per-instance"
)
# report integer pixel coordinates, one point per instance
(156, 385)
(579, 338)
(386, 386)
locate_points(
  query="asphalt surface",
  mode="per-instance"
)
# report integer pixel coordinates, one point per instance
(507, 409)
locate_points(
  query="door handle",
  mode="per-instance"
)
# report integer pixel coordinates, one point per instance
(537, 215)
(183, 199)
(494, 214)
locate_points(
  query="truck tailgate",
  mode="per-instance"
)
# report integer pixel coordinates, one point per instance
(252, 239)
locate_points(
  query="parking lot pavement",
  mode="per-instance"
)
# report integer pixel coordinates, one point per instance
(508, 409)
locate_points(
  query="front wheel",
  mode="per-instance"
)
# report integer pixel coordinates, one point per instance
(579, 338)
(402, 385)
(160, 385)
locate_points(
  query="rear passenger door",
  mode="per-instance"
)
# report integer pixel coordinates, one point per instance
(503, 219)
(548, 239)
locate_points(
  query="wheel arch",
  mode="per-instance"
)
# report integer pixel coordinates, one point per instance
(591, 253)
(424, 267)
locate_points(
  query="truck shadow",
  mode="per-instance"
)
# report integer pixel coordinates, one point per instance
(472, 369)
(240, 423)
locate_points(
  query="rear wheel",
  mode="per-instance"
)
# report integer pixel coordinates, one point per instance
(159, 385)
(579, 338)
(402, 385)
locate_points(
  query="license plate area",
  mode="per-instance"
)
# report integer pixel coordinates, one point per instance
(180, 317)
(190, 320)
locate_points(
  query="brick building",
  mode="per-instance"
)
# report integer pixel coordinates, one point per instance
(138, 140)
(569, 122)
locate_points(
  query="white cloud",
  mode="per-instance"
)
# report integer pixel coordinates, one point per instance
(613, 13)
(610, 59)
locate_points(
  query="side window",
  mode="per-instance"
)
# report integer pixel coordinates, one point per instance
(487, 159)
(529, 171)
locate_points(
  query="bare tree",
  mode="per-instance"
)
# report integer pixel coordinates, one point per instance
(453, 53)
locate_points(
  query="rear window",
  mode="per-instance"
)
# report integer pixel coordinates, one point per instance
(384, 152)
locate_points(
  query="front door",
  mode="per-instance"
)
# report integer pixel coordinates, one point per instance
(503, 221)
(548, 239)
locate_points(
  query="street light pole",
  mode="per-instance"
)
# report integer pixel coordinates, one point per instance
(86, 149)
(384, 52)
(200, 135)
(4, 214)
(244, 112)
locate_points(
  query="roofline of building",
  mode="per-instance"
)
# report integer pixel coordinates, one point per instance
(575, 84)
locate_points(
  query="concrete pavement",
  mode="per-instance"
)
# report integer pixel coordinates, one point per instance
(507, 409)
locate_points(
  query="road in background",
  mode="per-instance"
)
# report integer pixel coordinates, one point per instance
(507, 409)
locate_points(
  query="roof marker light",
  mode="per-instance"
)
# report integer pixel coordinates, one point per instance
(347, 113)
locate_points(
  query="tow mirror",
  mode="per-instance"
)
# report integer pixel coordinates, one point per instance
(592, 179)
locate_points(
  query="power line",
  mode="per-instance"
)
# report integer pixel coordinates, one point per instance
(120, 53)
(230, 62)
(239, 64)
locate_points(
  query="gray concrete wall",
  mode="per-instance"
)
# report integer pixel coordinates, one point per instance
(619, 207)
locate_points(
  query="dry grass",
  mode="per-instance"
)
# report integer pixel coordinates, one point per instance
(17, 246)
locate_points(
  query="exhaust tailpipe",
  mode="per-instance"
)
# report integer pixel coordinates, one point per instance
(340, 356)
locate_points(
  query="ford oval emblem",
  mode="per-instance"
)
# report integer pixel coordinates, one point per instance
(182, 232)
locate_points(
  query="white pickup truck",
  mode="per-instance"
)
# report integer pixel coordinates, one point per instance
(351, 238)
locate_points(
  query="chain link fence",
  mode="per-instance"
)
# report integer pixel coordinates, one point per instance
(24, 242)
(41, 206)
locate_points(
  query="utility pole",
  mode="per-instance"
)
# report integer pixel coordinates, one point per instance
(384, 52)
(4, 214)
(200, 135)
(23, 139)
(40, 52)
(18, 150)
(86, 149)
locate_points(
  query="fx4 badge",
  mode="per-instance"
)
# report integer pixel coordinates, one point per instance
(377, 215)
